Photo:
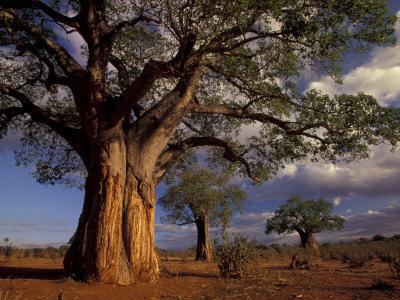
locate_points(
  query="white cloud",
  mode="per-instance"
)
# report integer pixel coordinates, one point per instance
(337, 201)
(379, 77)
(373, 212)
(289, 170)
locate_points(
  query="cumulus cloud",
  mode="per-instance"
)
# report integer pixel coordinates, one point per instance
(379, 76)
(377, 178)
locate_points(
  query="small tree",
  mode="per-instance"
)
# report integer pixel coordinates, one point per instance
(306, 217)
(201, 198)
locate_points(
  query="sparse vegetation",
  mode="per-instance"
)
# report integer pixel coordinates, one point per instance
(378, 237)
(368, 249)
(12, 252)
(393, 261)
(357, 260)
(233, 255)
(382, 285)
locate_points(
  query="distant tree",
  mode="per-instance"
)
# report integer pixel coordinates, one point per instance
(202, 198)
(306, 217)
(378, 237)
(396, 237)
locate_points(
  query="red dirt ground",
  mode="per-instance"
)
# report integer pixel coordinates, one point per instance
(266, 279)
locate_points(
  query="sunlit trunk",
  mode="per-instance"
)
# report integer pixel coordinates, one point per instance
(114, 241)
(203, 249)
(308, 241)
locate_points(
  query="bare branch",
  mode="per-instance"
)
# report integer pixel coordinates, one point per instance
(63, 58)
(174, 151)
(36, 4)
(133, 22)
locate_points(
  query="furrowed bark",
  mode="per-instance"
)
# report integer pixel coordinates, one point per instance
(114, 241)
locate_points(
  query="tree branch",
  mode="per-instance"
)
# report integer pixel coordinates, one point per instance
(61, 55)
(152, 71)
(243, 113)
(72, 134)
(174, 151)
(36, 4)
(133, 22)
(123, 75)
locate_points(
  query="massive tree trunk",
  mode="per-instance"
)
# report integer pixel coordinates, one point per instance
(114, 241)
(308, 241)
(203, 249)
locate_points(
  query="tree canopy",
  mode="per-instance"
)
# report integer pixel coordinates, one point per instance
(304, 215)
(249, 54)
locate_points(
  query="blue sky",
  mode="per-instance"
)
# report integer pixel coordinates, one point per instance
(366, 193)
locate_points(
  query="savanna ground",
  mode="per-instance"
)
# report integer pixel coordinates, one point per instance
(268, 277)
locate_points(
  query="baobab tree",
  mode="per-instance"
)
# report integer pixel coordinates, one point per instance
(306, 217)
(157, 78)
(202, 198)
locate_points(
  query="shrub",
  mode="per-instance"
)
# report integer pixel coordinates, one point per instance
(396, 237)
(378, 237)
(234, 255)
(382, 285)
(277, 247)
(393, 261)
(356, 259)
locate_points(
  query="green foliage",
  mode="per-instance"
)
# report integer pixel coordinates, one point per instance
(200, 192)
(252, 52)
(233, 255)
(308, 216)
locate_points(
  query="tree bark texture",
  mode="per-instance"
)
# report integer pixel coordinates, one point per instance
(114, 241)
(308, 241)
(203, 249)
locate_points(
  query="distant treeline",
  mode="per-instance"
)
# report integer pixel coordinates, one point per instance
(362, 247)
(11, 251)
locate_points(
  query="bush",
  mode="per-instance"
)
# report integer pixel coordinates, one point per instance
(233, 256)
(382, 285)
(356, 259)
(378, 237)
(396, 237)
(393, 261)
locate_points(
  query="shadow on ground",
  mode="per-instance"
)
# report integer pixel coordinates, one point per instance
(31, 273)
